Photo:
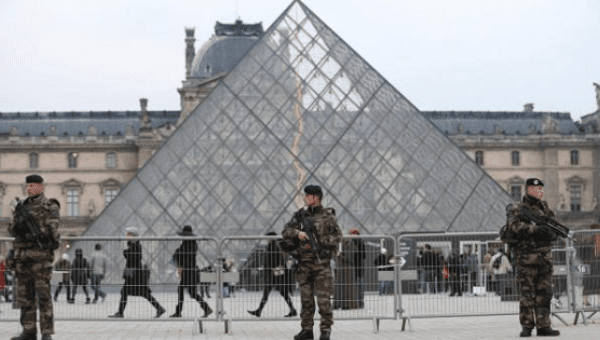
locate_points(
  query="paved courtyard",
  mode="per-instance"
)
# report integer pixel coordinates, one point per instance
(497, 327)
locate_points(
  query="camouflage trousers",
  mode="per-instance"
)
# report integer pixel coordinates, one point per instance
(536, 294)
(33, 277)
(315, 279)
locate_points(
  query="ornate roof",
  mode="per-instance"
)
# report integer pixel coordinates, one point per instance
(225, 49)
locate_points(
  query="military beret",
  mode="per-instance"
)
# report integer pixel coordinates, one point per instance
(533, 182)
(34, 179)
(313, 190)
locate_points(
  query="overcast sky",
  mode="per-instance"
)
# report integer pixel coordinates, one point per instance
(96, 55)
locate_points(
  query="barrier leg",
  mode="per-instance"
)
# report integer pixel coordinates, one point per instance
(561, 319)
(375, 325)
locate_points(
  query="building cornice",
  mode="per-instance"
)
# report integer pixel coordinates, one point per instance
(532, 142)
(28, 146)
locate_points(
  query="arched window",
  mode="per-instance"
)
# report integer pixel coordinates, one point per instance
(516, 158)
(574, 157)
(479, 157)
(111, 160)
(73, 160)
(33, 160)
(73, 203)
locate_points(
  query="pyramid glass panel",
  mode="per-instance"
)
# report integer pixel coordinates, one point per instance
(302, 107)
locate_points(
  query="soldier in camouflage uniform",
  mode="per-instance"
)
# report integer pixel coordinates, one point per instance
(534, 261)
(33, 264)
(314, 273)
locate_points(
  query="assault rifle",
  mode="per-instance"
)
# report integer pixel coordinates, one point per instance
(309, 227)
(29, 227)
(545, 223)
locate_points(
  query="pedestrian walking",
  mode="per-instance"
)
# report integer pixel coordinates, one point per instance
(276, 277)
(135, 275)
(64, 266)
(98, 264)
(80, 272)
(185, 259)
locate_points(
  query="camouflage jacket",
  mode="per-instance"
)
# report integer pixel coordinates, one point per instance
(329, 234)
(45, 212)
(531, 238)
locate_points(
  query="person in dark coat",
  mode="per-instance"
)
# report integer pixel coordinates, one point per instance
(136, 279)
(454, 271)
(64, 266)
(345, 291)
(185, 258)
(358, 264)
(79, 275)
(276, 276)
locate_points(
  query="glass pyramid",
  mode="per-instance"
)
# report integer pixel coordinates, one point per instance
(302, 107)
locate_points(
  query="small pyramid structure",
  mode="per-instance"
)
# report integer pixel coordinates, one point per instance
(302, 107)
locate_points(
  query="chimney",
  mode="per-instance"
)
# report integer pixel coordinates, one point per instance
(190, 52)
(528, 107)
(143, 104)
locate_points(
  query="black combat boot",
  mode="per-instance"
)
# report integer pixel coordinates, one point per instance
(46, 337)
(305, 334)
(207, 310)
(547, 331)
(324, 336)
(526, 332)
(26, 335)
(259, 310)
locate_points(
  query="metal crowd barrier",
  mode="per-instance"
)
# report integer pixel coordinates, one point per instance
(404, 282)
(462, 274)
(361, 290)
(233, 272)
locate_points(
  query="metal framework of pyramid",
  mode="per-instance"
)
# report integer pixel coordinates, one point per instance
(302, 107)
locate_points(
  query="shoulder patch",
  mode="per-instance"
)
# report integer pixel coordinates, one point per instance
(330, 211)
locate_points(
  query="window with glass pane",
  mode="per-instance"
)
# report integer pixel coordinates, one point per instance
(575, 197)
(574, 157)
(109, 195)
(111, 160)
(516, 192)
(73, 160)
(33, 160)
(479, 157)
(515, 158)
(73, 203)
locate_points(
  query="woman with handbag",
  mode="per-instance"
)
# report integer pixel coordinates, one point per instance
(136, 278)
(275, 277)
(185, 259)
